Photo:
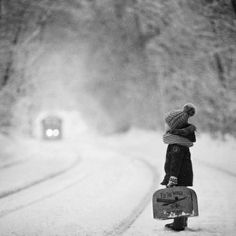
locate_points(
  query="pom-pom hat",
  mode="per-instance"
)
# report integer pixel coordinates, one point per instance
(190, 109)
(176, 119)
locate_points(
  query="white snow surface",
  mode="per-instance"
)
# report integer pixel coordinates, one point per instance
(103, 186)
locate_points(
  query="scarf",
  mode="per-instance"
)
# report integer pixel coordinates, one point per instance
(175, 139)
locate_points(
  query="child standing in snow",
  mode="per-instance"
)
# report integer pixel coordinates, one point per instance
(180, 136)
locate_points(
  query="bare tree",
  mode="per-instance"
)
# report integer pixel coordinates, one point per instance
(234, 5)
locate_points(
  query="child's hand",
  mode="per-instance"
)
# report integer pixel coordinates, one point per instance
(172, 182)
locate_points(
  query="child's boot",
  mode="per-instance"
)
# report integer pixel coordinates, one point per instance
(179, 223)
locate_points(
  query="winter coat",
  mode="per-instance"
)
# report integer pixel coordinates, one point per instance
(178, 163)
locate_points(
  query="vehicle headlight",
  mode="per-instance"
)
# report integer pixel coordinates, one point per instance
(49, 132)
(56, 132)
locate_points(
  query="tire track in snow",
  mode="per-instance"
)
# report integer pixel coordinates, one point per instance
(215, 167)
(13, 163)
(22, 206)
(75, 165)
(125, 224)
(39, 181)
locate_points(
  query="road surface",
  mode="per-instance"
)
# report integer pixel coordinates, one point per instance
(105, 188)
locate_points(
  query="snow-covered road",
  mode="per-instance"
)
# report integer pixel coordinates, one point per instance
(100, 196)
(104, 186)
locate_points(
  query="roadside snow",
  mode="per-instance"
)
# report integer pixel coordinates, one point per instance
(216, 153)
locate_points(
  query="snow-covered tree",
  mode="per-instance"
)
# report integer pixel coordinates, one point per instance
(139, 58)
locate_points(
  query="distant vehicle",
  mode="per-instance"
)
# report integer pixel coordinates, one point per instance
(52, 128)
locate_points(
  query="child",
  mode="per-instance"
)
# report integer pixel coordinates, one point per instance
(180, 136)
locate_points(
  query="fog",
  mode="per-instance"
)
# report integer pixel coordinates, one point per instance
(123, 63)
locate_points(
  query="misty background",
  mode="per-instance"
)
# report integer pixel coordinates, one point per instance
(118, 63)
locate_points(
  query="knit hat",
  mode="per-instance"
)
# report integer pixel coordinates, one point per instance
(178, 118)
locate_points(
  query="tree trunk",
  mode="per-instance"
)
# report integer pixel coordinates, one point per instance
(234, 5)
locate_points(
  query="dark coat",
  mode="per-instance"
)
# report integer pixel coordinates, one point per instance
(178, 163)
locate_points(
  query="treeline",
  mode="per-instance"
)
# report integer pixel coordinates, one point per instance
(143, 57)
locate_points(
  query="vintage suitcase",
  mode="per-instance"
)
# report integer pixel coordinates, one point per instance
(174, 202)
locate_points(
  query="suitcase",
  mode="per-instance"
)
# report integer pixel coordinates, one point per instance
(170, 203)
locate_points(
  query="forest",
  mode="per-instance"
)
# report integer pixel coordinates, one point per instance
(120, 63)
